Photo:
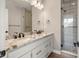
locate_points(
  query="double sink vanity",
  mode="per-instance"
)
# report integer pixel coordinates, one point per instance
(31, 46)
(21, 20)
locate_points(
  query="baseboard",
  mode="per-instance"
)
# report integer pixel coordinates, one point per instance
(57, 52)
(69, 53)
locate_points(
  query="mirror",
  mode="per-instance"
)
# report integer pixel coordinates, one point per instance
(19, 16)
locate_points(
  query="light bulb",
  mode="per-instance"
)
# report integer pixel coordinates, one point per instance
(34, 2)
(37, 5)
(41, 7)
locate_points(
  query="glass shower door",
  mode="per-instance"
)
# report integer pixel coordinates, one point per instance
(69, 33)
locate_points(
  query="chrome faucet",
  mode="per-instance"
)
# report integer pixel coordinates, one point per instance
(21, 35)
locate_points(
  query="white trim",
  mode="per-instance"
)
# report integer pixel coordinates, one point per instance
(57, 52)
(68, 52)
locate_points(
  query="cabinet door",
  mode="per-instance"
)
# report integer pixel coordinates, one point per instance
(19, 51)
(47, 47)
(26, 55)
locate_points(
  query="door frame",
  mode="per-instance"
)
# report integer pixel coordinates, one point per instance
(78, 27)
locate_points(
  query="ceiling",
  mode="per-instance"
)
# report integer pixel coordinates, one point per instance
(68, 1)
(21, 3)
(69, 6)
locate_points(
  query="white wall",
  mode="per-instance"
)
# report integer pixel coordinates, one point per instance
(51, 12)
(37, 15)
(3, 23)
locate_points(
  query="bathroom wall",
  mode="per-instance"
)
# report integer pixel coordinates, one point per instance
(52, 9)
(37, 19)
(3, 23)
(50, 18)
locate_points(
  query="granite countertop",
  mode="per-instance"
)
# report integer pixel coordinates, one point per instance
(16, 43)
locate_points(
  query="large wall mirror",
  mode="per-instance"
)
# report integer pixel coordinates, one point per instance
(19, 16)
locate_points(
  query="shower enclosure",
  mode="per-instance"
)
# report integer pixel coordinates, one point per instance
(69, 25)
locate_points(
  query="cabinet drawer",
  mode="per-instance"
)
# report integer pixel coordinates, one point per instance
(42, 51)
(26, 55)
(37, 52)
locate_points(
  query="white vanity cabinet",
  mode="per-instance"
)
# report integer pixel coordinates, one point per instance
(26, 55)
(42, 51)
(41, 48)
(20, 52)
(37, 52)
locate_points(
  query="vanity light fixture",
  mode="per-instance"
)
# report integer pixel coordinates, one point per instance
(33, 2)
(41, 6)
(37, 4)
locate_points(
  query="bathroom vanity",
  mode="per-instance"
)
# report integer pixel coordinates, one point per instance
(39, 46)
